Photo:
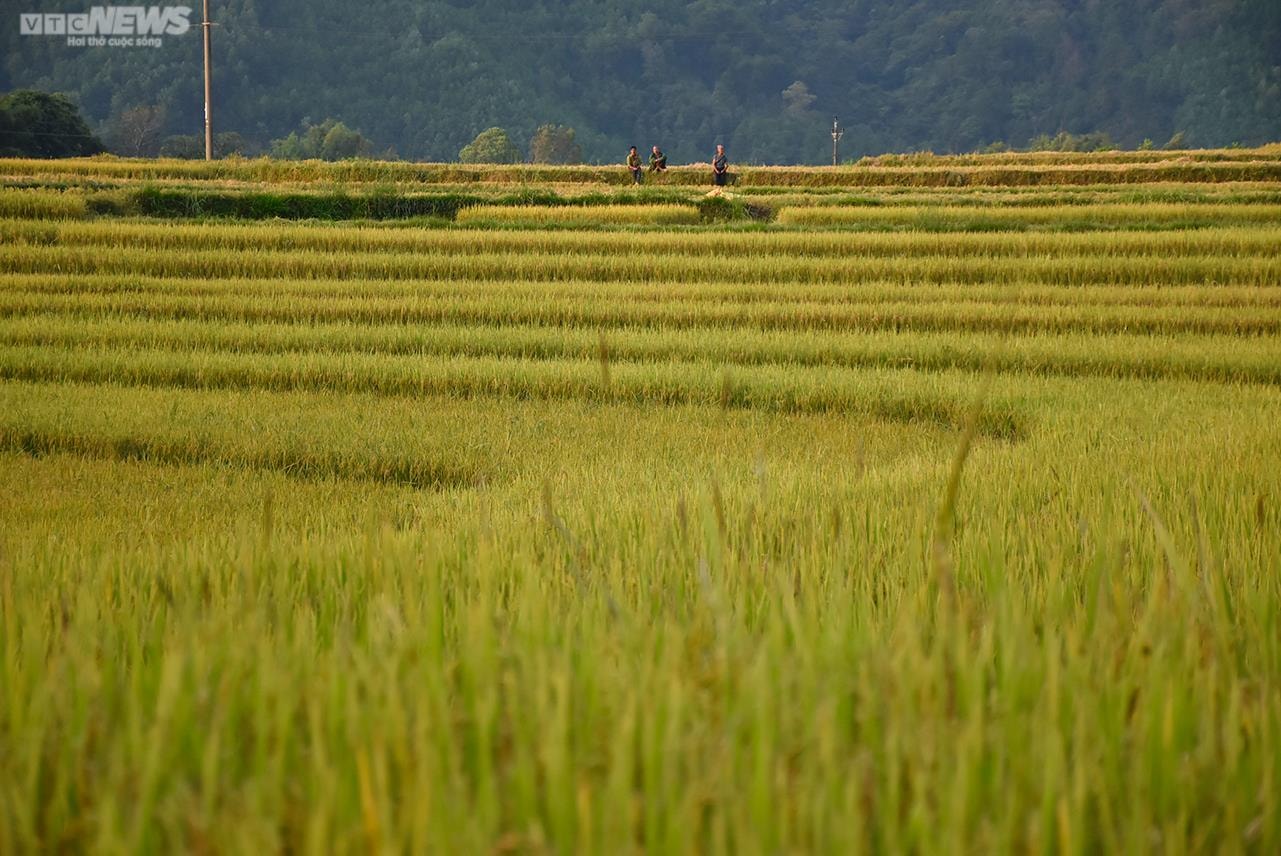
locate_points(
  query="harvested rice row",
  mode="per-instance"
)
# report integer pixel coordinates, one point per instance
(894, 394)
(118, 196)
(1023, 294)
(1215, 269)
(37, 421)
(41, 205)
(580, 215)
(1245, 166)
(1256, 359)
(1234, 241)
(980, 199)
(535, 309)
(1082, 217)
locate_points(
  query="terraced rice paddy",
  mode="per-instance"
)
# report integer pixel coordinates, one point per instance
(859, 510)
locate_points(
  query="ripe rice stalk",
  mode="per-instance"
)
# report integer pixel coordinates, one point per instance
(579, 215)
(888, 394)
(1211, 358)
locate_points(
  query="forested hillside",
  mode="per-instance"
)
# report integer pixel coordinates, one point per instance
(763, 76)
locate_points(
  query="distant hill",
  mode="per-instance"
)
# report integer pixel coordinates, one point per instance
(763, 76)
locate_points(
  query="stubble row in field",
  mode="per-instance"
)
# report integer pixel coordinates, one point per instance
(1064, 270)
(915, 313)
(1010, 169)
(1254, 359)
(759, 245)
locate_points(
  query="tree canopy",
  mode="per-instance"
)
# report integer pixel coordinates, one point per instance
(329, 140)
(491, 145)
(765, 77)
(38, 124)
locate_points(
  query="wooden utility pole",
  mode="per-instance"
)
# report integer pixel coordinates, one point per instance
(206, 26)
(837, 133)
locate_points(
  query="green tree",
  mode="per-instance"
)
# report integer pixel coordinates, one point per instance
(291, 147)
(555, 144)
(342, 143)
(329, 140)
(39, 125)
(491, 146)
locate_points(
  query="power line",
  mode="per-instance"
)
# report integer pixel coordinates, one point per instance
(505, 32)
(17, 131)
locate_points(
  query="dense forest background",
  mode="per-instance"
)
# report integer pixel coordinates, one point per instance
(423, 77)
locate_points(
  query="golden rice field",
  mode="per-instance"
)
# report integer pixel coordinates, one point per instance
(931, 504)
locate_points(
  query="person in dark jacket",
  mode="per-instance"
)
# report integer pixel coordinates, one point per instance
(657, 160)
(634, 164)
(720, 167)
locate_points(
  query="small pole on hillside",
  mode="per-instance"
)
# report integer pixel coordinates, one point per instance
(837, 133)
(206, 26)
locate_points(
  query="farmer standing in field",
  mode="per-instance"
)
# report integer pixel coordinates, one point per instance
(634, 164)
(720, 166)
(657, 160)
